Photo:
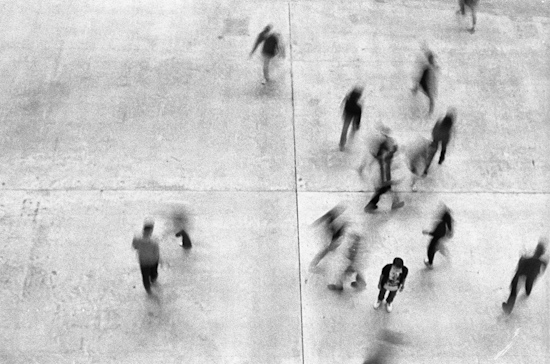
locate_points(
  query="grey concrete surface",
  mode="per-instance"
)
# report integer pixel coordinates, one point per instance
(112, 112)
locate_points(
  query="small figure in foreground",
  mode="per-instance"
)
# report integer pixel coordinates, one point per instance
(392, 279)
(529, 268)
(384, 155)
(148, 254)
(352, 268)
(351, 115)
(334, 229)
(472, 4)
(427, 81)
(272, 46)
(443, 228)
(441, 134)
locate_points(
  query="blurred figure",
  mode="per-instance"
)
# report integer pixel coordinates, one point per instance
(529, 268)
(333, 229)
(441, 134)
(392, 279)
(272, 46)
(351, 114)
(472, 4)
(443, 229)
(148, 253)
(384, 352)
(384, 155)
(418, 155)
(351, 268)
(427, 80)
(180, 224)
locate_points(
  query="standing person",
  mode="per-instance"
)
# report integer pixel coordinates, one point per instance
(427, 81)
(351, 267)
(384, 155)
(351, 114)
(392, 279)
(334, 229)
(528, 268)
(441, 134)
(472, 4)
(272, 46)
(148, 253)
(443, 228)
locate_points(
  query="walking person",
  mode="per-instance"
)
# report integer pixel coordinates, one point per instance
(418, 155)
(351, 267)
(148, 254)
(272, 46)
(443, 229)
(427, 81)
(384, 156)
(472, 4)
(334, 229)
(391, 280)
(351, 115)
(441, 135)
(529, 268)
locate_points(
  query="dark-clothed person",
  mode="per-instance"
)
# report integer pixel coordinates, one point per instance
(443, 228)
(427, 79)
(441, 135)
(148, 253)
(351, 115)
(391, 280)
(272, 46)
(529, 268)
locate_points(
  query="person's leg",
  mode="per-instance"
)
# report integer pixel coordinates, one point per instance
(474, 18)
(431, 154)
(145, 276)
(345, 127)
(443, 150)
(461, 6)
(391, 296)
(359, 282)
(508, 306)
(154, 272)
(372, 205)
(529, 281)
(432, 101)
(267, 59)
(432, 248)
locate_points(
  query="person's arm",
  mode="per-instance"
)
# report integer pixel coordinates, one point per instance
(403, 277)
(259, 40)
(134, 243)
(384, 276)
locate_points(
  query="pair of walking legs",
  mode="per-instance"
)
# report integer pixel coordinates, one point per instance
(348, 119)
(267, 60)
(433, 149)
(433, 247)
(472, 4)
(508, 306)
(149, 274)
(382, 294)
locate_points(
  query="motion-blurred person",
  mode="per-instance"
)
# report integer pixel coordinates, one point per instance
(148, 253)
(472, 4)
(351, 267)
(272, 46)
(351, 115)
(383, 354)
(384, 155)
(333, 229)
(441, 134)
(392, 279)
(529, 268)
(443, 229)
(180, 222)
(427, 80)
(418, 155)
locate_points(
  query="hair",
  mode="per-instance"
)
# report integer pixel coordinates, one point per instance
(541, 248)
(398, 262)
(148, 225)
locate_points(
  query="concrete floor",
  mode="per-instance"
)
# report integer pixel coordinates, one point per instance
(114, 111)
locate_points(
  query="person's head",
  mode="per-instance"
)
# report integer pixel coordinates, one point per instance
(356, 93)
(397, 264)
(541, 247)
(148, 226)
(451, 112)
(268, 28)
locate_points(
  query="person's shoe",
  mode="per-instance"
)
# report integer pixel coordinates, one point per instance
(358, 286)
(414, 188)
(427, 263)
(397, 205)
(472, 30)
(507, 310)
(389, 307)
(440, 161)
(334, 287)
(377, 304)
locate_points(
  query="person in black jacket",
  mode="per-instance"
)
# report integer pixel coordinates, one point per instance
(443, 228)
(272, 46)
(392, 279)
(528, 268)
(351, 115)
(427, 80)
(441, 134)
